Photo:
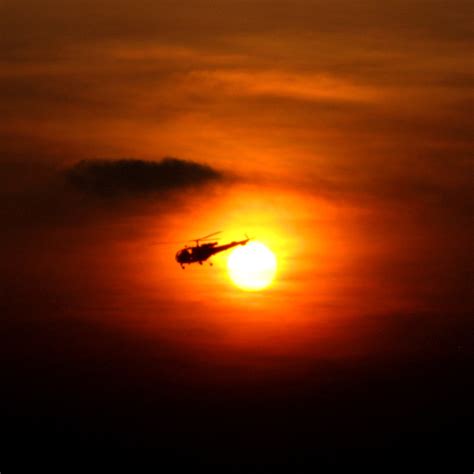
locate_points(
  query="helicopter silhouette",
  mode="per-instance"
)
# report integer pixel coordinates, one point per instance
(201, 252)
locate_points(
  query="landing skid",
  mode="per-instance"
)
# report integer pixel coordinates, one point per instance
(200, 263)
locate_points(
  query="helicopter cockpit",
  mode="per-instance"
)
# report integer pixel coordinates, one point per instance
(184, 256)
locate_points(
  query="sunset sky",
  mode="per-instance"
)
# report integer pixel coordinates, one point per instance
(337, 133)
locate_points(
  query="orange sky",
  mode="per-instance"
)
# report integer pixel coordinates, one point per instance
(337, 132)
(343, 130)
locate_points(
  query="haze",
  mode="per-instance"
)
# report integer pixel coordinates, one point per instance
(337, 133)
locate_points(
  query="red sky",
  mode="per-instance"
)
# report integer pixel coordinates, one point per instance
(341, 133)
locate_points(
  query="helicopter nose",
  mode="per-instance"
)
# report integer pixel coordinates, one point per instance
(182, 256)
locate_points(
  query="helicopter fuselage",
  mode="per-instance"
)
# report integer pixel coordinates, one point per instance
(200, 253)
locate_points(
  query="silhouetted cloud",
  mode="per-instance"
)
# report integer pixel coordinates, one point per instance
(138, 177)
(38, 196)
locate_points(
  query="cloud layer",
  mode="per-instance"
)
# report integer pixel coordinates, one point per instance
(138, 177)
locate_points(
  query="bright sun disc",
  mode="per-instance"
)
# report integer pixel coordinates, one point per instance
(252, 266)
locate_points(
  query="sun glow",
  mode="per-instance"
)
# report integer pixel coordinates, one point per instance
(252, 267)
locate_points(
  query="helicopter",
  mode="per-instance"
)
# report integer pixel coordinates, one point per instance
(201, 252)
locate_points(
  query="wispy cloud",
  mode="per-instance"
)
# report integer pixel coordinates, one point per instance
(284, 84)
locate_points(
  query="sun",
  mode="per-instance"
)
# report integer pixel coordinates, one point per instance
(252, 267)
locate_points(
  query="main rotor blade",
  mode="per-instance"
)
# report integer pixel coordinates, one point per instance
(207, 236)
(169, 242)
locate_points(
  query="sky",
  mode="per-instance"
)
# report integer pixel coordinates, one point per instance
(337, 133)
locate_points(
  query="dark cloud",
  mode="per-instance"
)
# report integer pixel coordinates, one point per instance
(49, 197)
(131, 177)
